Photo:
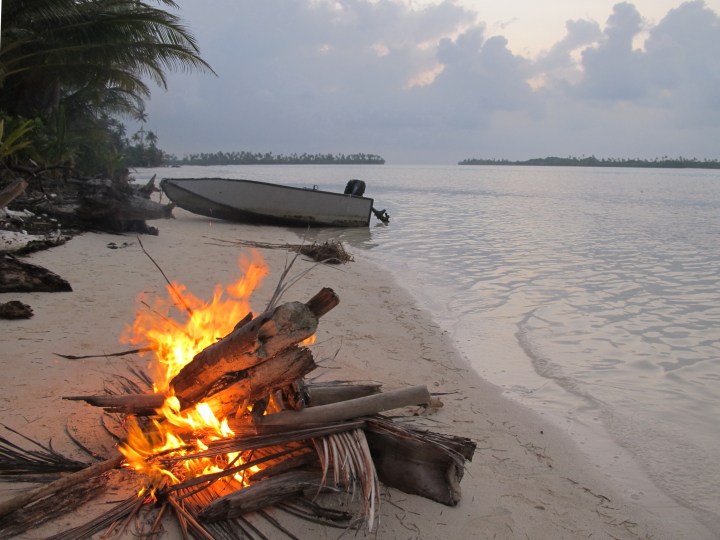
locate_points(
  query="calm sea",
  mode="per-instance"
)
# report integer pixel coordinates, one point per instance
(590, 295)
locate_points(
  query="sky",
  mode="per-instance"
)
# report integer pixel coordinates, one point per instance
(435, 82)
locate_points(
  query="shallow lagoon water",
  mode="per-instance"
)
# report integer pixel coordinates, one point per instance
(590, 295)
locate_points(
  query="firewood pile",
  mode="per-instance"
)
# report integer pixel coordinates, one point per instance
(317, 451)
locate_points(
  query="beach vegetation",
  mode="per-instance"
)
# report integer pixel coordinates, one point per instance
(72, 68)
(268, 158)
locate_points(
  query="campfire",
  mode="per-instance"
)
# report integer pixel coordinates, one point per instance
(233, 425)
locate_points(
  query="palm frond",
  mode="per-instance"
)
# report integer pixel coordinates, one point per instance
(348, 455)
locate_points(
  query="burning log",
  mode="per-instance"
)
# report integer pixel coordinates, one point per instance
(265, 493)
(140, 404)
(249, 344)
(256, 382)
(310, 394)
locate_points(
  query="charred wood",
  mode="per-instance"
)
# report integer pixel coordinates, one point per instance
(249, 344)
(256, 382)
(262, 494)
(228, 393)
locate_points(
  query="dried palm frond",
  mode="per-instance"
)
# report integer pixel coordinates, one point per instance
(108, 520)
(311, 511)
(460, 449)
(331, 251)
(246, 438)
(347, 454)
(51, 508)
(19, 464)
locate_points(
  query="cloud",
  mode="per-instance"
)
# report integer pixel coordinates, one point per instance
(429, 85)
(614, 70)
(683, 67)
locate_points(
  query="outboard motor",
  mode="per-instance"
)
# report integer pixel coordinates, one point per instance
(355, 187)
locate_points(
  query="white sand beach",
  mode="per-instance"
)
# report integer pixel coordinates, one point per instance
(527, 480)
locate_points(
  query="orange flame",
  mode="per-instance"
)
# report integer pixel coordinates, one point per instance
(174, 344)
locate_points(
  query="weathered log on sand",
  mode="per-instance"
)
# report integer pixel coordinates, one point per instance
(265, 493)
(148, 189)
(426, 464)
(17, 276)
(251, 343)
(11, 192)
(353, 408)
(14, 309)
(27, 497)
(230, 392)
(103, 199)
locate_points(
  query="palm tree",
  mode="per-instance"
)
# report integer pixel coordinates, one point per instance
(92, 55)
(87, 60)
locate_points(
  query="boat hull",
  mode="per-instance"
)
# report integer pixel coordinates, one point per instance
(249, 201)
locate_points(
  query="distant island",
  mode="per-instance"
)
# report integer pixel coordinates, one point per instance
(268, 158)
(592, 161)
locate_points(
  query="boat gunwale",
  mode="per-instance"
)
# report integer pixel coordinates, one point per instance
(302, 189)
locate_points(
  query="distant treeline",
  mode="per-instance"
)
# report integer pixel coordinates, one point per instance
(592, 161)
(268, 158)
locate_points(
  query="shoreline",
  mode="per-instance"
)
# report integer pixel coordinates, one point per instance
(527, 477)
(578, 417)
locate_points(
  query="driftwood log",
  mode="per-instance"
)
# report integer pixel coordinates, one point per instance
(18, 276)
(14, 309)
(427, 464)
(353, 408)
(303, 394)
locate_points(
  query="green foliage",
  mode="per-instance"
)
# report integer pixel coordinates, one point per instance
(72, 64)
(268, 158)
(18, 139)
(144, 152)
